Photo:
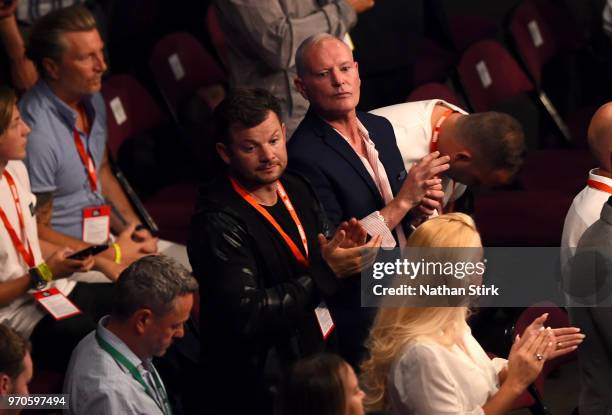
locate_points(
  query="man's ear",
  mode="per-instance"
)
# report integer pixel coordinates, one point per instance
(462, 156)
(142, 318)
(223, 152)
(284, 128)
(51, 68)
(5, 384)
(299, 85)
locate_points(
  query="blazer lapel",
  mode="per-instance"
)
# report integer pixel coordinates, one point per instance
(344, 149)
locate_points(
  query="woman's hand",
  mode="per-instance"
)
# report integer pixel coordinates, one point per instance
(565, 339)
(527, 357)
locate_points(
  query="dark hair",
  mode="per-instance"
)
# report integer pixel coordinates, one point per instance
(152, 282)
(498, 139)
(13, 349)
(245, 107)
(315, 386)
(8, 99)
(45, 40)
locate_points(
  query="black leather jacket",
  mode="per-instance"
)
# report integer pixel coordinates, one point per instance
(254, 294)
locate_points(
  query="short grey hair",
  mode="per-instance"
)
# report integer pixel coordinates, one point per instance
(153, 282)
(305, 46)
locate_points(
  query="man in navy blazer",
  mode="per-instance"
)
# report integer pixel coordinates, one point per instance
(354, 164)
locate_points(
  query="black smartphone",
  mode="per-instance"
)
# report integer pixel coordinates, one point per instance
(90, 250)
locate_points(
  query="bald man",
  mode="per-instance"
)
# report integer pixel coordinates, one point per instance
(595, 354)
(586, 208)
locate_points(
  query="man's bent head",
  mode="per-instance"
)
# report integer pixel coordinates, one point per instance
(492, 149)
(154, 296)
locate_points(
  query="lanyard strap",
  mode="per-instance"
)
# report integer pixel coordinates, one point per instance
(121, 359)
(301, 259)
(87, 161)
(26, 254)
(433, 146)
(599, 186)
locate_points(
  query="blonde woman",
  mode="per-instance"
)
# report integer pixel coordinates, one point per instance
(424, 360)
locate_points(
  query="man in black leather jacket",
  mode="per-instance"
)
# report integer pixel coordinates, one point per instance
(260, 252)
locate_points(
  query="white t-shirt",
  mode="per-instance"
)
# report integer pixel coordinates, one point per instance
(429, 378)
(411, 122)
(23, 313)
(584, 211)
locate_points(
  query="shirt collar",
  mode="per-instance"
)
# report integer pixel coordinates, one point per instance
(68, 114)
(363, 133)
(601, 179)
(120, 346)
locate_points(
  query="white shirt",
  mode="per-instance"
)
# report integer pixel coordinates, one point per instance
(584, 211)
(429, 378)
(411, 122)
(374, 224)
(99, 385)
(23, 313)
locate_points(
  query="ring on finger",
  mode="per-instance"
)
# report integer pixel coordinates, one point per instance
(539, 356)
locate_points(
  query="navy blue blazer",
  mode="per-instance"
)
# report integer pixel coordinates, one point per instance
(342, 183)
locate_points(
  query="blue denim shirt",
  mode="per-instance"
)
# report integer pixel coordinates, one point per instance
(52, 159)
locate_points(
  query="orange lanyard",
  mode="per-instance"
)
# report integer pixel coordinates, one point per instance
(599, 186)
(87, 161)
(28, 255)
(301, 259)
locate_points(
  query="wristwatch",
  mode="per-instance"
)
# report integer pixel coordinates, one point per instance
(41, 275)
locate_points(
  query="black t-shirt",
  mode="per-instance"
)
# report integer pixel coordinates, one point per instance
(280, 213)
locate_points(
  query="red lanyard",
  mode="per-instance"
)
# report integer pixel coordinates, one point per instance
(433, 145)
(27, 255)
(285, 198)
(599, 186)
(87, 161)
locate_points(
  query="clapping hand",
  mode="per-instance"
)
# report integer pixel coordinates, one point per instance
(347, 252)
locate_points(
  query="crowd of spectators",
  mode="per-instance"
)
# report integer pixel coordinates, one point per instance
(305, 193)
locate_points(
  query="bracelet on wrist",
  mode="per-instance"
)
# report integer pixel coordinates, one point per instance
(117, 249)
